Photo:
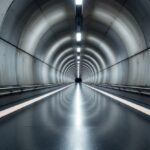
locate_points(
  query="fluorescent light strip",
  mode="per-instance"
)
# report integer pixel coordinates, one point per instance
(78, 50)
(124, 101)
(78, 57)
(79, 2)
(15, 108)
(78, 37)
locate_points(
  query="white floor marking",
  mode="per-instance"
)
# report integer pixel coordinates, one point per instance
(124, 101)
(15, 108)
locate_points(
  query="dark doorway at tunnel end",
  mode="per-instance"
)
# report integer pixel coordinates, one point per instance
(78, 80)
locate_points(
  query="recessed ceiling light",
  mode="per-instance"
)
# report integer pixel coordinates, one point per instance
(78, 57)
(78, 50)
(79, 2)
(78, 37)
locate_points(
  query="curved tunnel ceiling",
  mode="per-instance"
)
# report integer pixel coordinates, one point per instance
(39, 35)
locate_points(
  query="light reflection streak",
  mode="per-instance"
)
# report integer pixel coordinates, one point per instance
(15, 108)
(78, 134)
(78, 118)
(135, 106)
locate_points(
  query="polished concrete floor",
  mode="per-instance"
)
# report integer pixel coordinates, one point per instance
(77, 118)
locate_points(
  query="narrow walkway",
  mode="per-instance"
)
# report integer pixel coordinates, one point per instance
(77, 118)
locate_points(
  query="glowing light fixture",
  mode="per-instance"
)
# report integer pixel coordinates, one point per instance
(78, 62)
(78, 57)
(78, 50)
(79, 2)
(78, 36)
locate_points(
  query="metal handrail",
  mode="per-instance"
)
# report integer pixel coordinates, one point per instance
(24, 88)
(133, 89)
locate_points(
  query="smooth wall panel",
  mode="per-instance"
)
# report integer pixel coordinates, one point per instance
(7, 64)
(37, 72)
(105, 76)
(147, 69)
(142, 73)
(141, 70)
(119, 73)
(140, 9)
(123, 72)
(44, 73)
(114, 75)
(130, 32)
(41, 72)
(25, 65)
(15, 20)
(4, 5)
(99, 78)
(134, 71)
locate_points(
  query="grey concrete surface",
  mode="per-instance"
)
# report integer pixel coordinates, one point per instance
(38, 47)
(35, 33)
(76, 118)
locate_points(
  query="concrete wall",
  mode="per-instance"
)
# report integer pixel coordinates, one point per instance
(134, 71)
(37, 42)
(131, 64)
(20, 63)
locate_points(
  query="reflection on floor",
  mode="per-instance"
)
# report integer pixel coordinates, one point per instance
(77, 136)
(77, 118)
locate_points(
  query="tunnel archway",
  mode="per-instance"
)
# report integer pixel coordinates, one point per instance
(115, 35)
(88, 61)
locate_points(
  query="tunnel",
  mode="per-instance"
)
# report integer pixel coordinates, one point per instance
(74, 74)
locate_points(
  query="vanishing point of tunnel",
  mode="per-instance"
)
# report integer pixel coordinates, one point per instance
(74, 74)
